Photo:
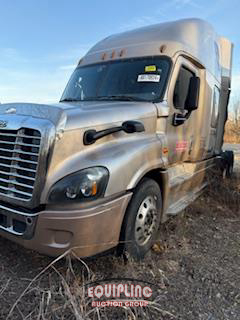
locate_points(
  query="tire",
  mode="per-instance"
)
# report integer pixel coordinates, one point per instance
(142, 219)
(228, 157)
(229, 172)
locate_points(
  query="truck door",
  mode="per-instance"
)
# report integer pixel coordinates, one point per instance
(181, 138)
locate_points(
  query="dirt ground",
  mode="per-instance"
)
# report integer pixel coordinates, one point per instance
(195, 265)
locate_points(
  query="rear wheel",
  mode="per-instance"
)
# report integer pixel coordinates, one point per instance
(142, 219)
(228, 158)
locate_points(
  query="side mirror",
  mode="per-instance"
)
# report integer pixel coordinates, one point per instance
(132, 126)
(191, 102)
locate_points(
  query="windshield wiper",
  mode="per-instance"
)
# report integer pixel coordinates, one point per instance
(69, 100)
(118, 97)
(113, 97)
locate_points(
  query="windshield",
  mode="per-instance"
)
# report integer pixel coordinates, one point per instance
(130, 79)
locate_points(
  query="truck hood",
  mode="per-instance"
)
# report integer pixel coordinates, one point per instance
(98, 113)
(70, 116)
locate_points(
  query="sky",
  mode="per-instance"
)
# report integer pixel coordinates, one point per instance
(42, 41)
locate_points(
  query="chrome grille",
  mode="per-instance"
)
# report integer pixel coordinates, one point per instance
(19, 155)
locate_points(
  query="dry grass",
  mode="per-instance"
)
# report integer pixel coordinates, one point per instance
(193, 281)
(232, 132)
(65, 296)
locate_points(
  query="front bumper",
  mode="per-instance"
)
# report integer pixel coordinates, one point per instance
(87, 231)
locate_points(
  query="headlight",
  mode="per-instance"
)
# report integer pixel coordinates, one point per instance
(84, 185)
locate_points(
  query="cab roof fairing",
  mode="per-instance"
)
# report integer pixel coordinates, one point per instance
(195, 37)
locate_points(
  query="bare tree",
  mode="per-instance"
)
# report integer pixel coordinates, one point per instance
(232, 129)
(236, 110)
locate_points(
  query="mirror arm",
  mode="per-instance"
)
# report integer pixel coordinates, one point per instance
(187, 115)
(90, 136)
(179, 119)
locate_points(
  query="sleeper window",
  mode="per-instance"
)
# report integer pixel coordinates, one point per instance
(181, 88)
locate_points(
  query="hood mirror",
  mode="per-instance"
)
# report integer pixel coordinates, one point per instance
(132, 126)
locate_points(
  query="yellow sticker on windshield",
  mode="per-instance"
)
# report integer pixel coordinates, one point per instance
(150, 68)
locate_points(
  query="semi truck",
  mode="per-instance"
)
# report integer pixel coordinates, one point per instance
(133, 141)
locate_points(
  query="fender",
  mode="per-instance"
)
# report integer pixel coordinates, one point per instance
(127, 159)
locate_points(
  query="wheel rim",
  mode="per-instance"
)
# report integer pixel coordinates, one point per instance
(146, 220)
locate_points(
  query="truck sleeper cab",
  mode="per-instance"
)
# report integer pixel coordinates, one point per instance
(132, 141)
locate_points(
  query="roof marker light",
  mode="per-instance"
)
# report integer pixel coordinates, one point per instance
(104, 56)
(163, 48)
(80, 61)
(113, 55)
(121, 53)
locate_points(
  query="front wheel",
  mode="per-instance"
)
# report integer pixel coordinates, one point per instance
(142, 219)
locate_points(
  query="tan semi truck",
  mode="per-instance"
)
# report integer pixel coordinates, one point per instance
(138, 129)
